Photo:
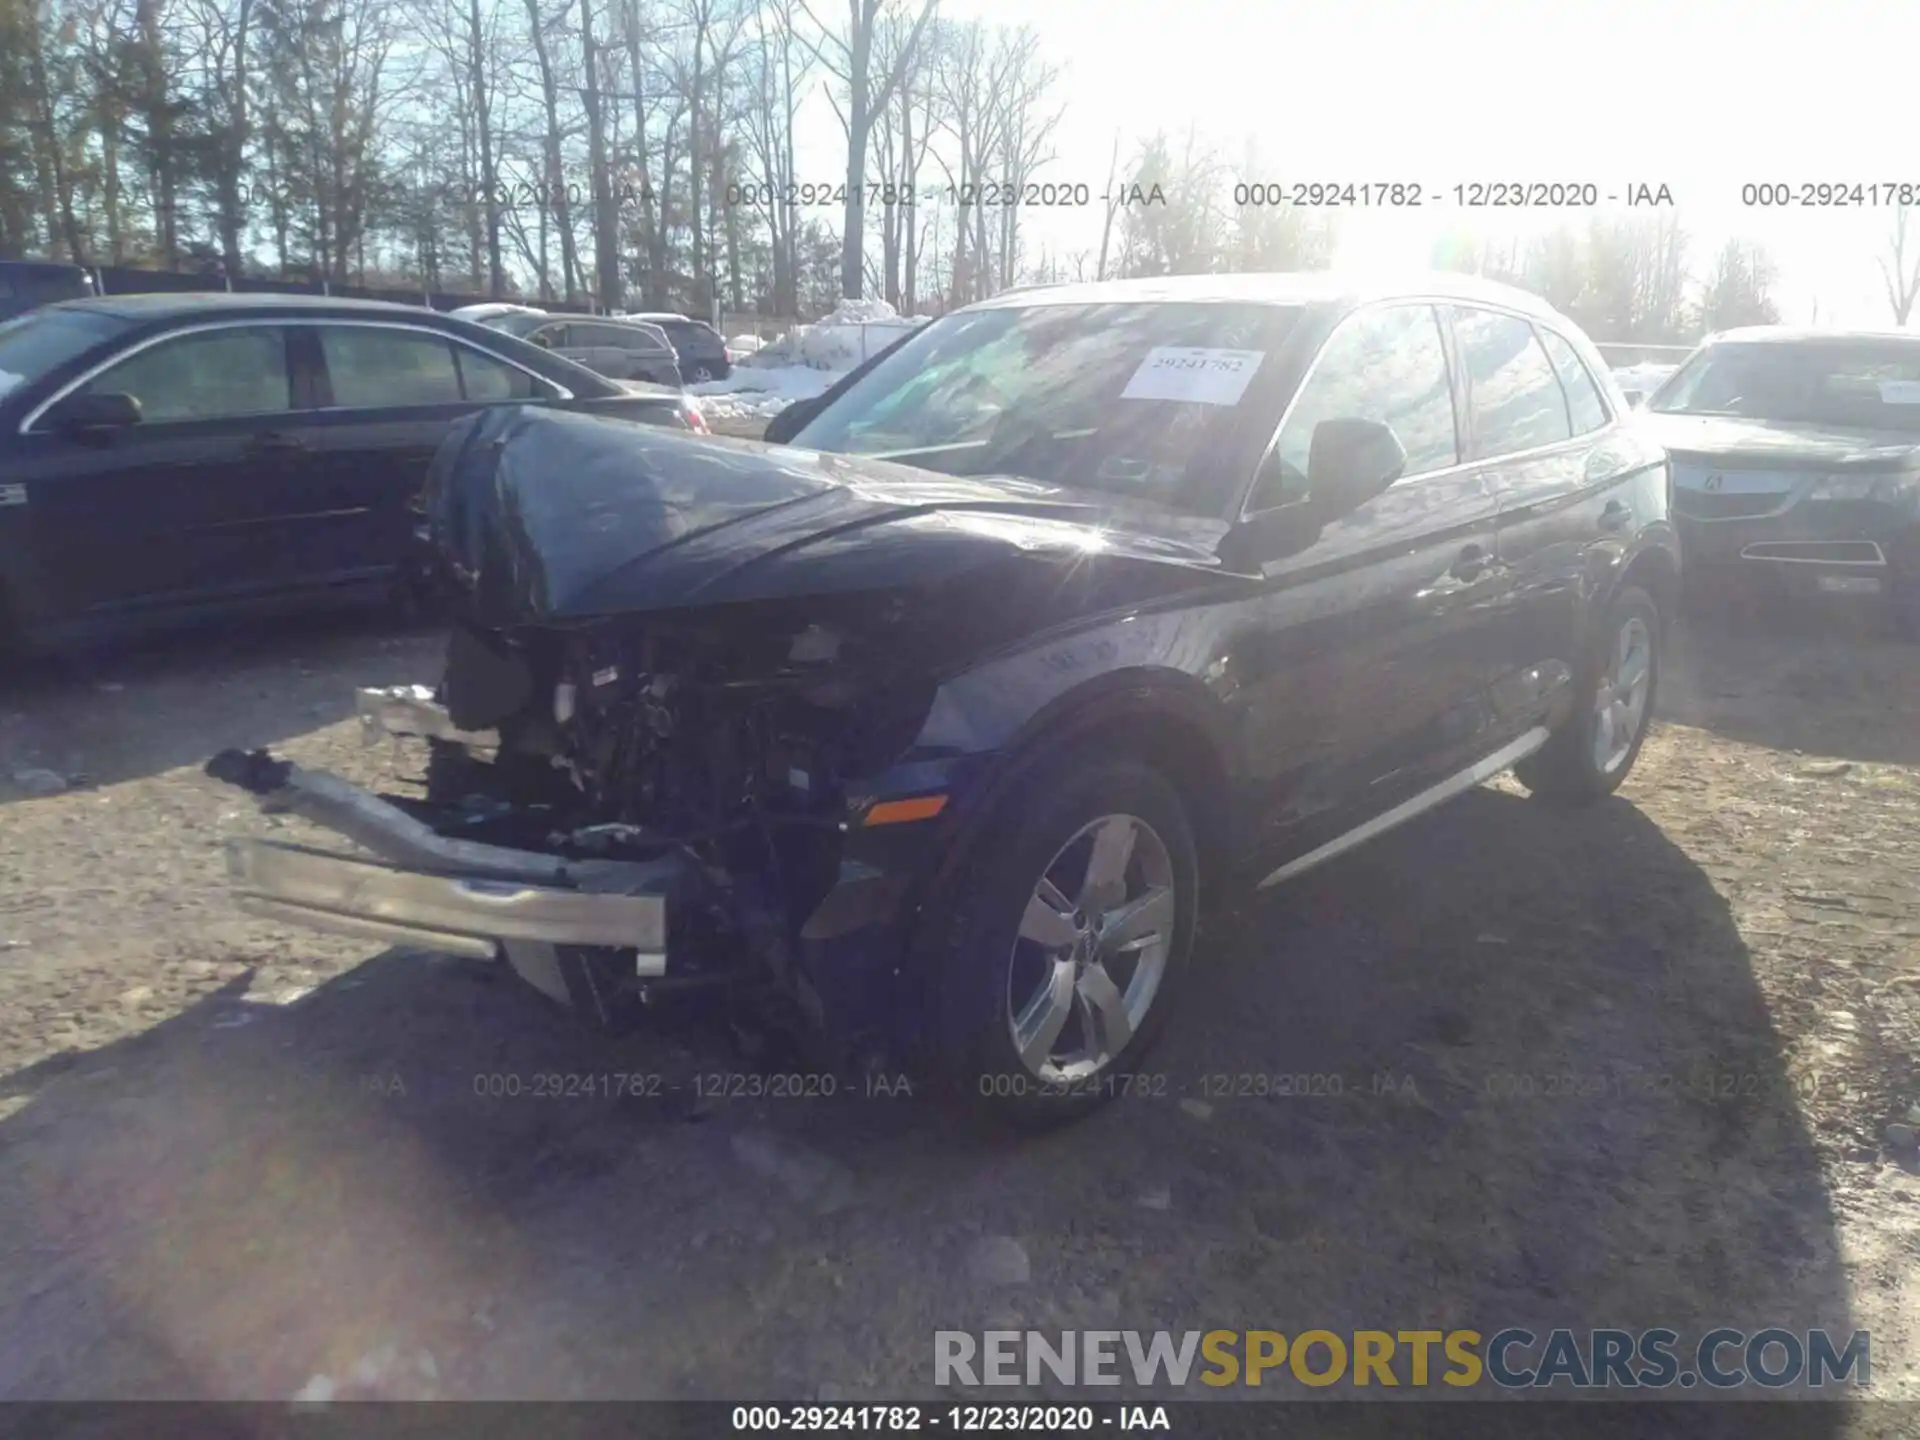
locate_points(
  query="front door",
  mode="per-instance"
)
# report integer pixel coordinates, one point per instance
(173, 510)
(1365, 666)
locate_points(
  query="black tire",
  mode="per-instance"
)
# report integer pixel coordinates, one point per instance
(972, 946)
(699, 374)
(1565, 770)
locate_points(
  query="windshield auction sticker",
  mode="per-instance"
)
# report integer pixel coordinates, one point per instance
(1194, 374)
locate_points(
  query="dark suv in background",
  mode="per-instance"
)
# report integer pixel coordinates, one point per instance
(1071, 608)
(1796, 461)
(701, 348)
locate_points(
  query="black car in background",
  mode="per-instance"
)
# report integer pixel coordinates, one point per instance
(1796, 461)
(701, 348)
(1076, 606)
(25, 284)
(169, 456)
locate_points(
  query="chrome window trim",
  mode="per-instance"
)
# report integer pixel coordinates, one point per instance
(1591, 437)
(284, 322)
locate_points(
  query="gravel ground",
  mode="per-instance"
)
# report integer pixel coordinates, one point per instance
(1634, 1067)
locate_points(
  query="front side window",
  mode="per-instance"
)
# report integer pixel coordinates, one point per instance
(1387, 365)
(1587, 410)
(1869, 384)
(373, 368)
(39, 342)
(1134, 399)
(1517, 402)
(208, 375)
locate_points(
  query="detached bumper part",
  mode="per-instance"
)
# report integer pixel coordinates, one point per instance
(456, 896)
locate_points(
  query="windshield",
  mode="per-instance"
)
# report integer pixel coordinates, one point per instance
(41, 341)
(1133, 399)
(1861, 384)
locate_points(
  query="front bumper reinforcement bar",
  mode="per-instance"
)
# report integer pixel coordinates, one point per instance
(461, 897)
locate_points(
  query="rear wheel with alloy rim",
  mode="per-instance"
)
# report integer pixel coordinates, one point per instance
(1072, 929)
(1590, 755)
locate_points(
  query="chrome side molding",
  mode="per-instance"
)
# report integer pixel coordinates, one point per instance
(1478, 773)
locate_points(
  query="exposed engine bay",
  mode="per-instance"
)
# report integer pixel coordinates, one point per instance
(687, 731)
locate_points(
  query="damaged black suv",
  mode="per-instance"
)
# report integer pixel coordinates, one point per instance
(1075, 608)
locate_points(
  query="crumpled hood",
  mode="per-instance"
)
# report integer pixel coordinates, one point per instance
(1777, 444)
(551, 516)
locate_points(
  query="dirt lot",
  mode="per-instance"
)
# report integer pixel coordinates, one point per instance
(1654, 1051)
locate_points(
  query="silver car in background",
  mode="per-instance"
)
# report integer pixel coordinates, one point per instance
(617, 349)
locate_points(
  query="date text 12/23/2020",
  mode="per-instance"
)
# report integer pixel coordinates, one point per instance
(1303, 194)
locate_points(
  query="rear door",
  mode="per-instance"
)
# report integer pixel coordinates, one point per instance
(1365, 669)
(1541, 429)
(385, 395)
(178, 509)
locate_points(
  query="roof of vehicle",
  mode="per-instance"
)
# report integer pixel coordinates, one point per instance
(1794, 334)
(1299, 287)
(654, 317)
(189, 302)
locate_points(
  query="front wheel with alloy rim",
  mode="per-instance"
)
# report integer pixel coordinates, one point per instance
(1070, 935)
(1592, 753)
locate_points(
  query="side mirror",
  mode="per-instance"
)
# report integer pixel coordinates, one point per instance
(792, 420)
(1350, 461)
(102, 410)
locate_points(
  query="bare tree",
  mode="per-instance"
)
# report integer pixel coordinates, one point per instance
(1025, 131)
(1900, 270)
(848, 55)
(553, 188)
(221, 32)
(1738, 290)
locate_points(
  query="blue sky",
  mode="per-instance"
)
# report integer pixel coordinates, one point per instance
(1702, 97)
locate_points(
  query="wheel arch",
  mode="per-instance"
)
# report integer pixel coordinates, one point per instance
(1656, 570)
(1166, 719)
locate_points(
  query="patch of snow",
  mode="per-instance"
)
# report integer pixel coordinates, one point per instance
(761, 391)
(745, 344)
(8, 380)
(839, 341)
(1645, 377)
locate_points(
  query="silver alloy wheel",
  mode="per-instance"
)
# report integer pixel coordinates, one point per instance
(1620, 702)
(1092, 949)
(699, 375)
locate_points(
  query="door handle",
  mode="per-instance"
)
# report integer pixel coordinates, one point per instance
(279, 441)
(1471, 565)
(1616, 516)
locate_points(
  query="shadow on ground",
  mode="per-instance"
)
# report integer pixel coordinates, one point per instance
(1506, 1067)
(1826, 680)
(113, 714)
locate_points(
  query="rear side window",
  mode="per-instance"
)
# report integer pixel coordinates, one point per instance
(383, 369)
(1516, 399)
(490, 381)
(1584, 405)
